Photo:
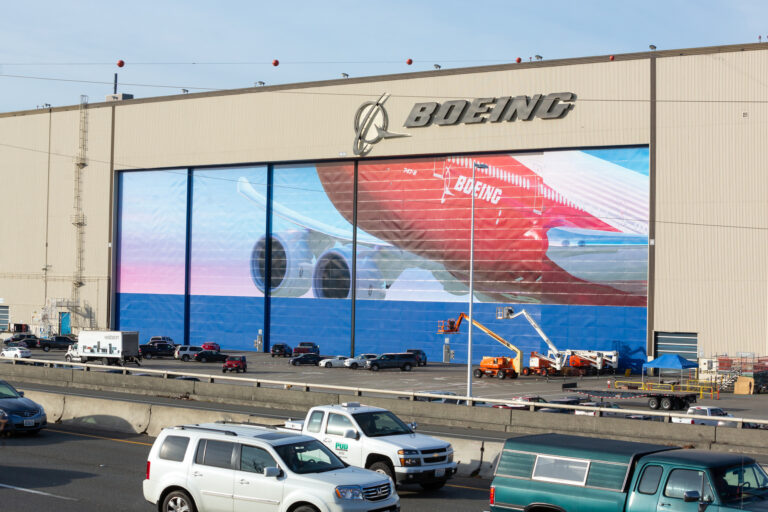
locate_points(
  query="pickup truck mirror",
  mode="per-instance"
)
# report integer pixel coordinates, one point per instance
(351, 434)
(273, 472)
(413, 426)
(689, 496)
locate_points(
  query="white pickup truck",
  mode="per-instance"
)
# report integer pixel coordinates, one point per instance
(374, 438)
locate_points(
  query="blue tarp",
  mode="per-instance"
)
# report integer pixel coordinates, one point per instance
(671, 362)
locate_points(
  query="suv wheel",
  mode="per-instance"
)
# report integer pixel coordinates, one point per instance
(178, 501)
(185, 358)
(406, 367)
(46, 348)
(374, 367)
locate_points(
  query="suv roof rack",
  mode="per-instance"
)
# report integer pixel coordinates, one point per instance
(209, 429)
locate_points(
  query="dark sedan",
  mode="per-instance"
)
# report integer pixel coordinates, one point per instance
(19, 414)
(307, 359)
(207, 356)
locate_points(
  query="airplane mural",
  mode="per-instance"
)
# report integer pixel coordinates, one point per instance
(556, 227)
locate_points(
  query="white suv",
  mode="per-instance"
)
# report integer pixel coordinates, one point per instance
(186, 352)
(237, 467)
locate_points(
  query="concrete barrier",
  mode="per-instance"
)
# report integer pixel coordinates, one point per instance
(162, 416)
(51, 402)
(119, 416)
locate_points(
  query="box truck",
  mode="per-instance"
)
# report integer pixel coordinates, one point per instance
(106, 347)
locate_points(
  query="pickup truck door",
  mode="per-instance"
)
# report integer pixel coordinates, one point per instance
(678, 482)
(348, 450)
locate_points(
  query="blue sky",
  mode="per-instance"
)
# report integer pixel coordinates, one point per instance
(81, 40)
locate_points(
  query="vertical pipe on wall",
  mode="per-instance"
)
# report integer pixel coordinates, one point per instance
(112, 235)
(187, 254)
(268, 258)
(650, 349)
(353, 280)
(47, 209)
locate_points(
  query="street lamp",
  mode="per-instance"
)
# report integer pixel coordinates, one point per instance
(475, 165)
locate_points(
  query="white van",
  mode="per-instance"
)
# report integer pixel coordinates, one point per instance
(228, 466)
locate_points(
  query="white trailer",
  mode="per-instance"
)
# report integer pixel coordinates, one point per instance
(106, 347)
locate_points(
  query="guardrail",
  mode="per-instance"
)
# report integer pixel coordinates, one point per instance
(410, 395)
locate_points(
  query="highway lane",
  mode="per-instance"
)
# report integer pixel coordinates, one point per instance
(71, 469)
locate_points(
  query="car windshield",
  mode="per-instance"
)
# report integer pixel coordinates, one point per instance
(381, 423)
(740, 482)
(309, 457)
(6, 391)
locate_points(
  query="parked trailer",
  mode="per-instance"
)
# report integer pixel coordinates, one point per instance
(666, 400)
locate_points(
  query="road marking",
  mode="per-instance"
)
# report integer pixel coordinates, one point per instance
(468, 487)
(41, 493)
(99, 437)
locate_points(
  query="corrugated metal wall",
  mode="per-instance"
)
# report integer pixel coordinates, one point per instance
(712, 200)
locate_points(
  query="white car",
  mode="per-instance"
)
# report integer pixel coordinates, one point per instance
(229, 466)
(332, 362)
(16, 352)
(706, 410)
(358, 361)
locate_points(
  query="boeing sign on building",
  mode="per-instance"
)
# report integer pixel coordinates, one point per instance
(372, 121)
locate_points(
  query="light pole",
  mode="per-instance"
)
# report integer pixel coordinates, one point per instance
(475, 166)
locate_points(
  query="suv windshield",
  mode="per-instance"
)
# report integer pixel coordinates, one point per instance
(740, 482)
(309, 457)
(381, 423)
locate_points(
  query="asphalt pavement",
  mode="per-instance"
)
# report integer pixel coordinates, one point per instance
(81, 470)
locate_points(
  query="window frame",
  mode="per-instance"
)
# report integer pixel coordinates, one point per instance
(658, 481)
(234, 459)
(239, 453)
(581, 483)
(184, 453)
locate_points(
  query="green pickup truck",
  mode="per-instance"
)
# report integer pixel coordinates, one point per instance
(561, 473)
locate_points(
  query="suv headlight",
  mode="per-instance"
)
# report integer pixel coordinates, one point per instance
(409, 457)
(349, 492)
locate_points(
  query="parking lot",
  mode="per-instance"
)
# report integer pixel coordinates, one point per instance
(434, 377)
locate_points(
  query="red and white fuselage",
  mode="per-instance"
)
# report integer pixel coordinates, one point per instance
(558, 227)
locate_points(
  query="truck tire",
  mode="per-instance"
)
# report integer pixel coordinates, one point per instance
(148, 356)
(501, 375)
(666, 403)
(46, 348)
(178, 500)
(384, 468)
(433, 486)
(526, 371)
(653, 403)
(68, 359)
(544, 372)
(478, 374)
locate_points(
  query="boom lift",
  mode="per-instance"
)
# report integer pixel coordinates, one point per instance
(500, 367)
(593, 361)
(550, 364)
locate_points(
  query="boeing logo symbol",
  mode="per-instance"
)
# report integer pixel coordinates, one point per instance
(372, 116)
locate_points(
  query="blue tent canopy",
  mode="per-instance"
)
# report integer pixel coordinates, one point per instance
(670, 362)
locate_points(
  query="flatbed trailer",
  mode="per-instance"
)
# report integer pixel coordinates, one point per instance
(667, 400)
